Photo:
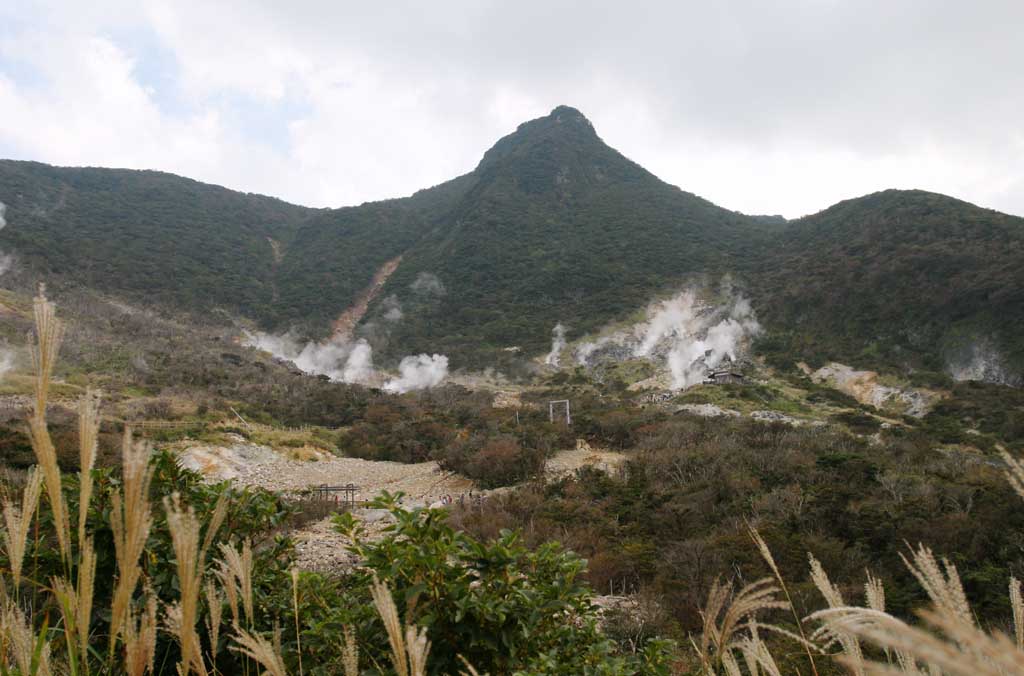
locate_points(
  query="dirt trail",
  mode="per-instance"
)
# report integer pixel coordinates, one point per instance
(318, 546)
(275, 250)
(346, 323)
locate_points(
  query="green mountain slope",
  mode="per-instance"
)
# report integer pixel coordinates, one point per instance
(899, 279)
(147, 235)
(557, 227)
(335, 253)
(551, 226)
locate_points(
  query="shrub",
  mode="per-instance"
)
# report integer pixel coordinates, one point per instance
(860, 423)
(505, 608)
(116, 585)
(492, 461)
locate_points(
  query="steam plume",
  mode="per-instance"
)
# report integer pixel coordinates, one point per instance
(980, 359)
(344, 361)
(5, 259)
(419, 372)
(359, 364)
(675, 319)
(557, 345)
(691, 336)
(392, 308)
(584, 351)
(428, 284)
(701, 346)
(6, 361)
(337, 358)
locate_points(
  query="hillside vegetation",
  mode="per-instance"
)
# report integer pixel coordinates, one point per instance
(551, 226)
(717, 533)
(147, 235)
(897, 279)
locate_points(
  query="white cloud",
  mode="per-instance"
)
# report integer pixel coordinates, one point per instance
(763, 107)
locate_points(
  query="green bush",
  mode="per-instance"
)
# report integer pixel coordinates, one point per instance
(505, 608)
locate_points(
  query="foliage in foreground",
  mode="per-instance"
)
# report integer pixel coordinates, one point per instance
(674, 518)
(110, 583)
(225, 606)
(503, 607)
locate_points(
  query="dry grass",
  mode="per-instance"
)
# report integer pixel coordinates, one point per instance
(409, 645)
(262, 651)
(237, 566)
(350, 653)
(140, 639)
(17, 521)
(766, 554)
(184, 614)
(294, 573)
(130, 521)
(48, 337)
(88, 440)
(948, 640)
(18, 643)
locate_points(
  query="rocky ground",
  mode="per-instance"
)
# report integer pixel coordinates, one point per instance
(867, 388)
(318, 546)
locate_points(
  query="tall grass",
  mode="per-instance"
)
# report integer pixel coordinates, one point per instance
(29, 646)
(735, 640)
(866, 640)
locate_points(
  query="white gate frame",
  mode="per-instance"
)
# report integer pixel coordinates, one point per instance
(551, 410)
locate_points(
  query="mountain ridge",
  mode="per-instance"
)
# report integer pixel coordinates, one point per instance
(552, 226)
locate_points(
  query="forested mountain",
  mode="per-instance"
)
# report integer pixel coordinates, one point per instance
(556, 227)
(898, 278)
(551, 226)
(146, 234)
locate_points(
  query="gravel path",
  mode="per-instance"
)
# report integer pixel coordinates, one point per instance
(317, 545)
(421, 481)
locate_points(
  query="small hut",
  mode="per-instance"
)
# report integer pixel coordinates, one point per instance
(724, 377)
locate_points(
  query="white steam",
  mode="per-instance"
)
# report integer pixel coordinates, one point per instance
(981, 360)
(392, 309)
(557, 345)
(337, 358)
(701, 339)
(5, 259)
(345, 361)
(428, 284)
(584, 351)
(671, 319)
(6, 361)
(692, 337)
(359, 364)
(419, 372)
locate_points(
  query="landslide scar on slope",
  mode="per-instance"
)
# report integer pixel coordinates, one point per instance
(278, 254)
(275, 250)
(345, 324)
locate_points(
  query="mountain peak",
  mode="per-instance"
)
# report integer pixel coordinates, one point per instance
(562, 120)
(556, 151)
(568, 114)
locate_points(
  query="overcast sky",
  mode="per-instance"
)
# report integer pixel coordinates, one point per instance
(781, 106)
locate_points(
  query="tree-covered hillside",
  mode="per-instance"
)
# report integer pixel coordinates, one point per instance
(896, 278)
(335, 253)
(558, 227)
(552, 226)
(147, 235)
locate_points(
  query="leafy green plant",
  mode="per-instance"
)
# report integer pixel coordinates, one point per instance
(501, 606)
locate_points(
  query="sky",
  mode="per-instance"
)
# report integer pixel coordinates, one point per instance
(781, 107)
